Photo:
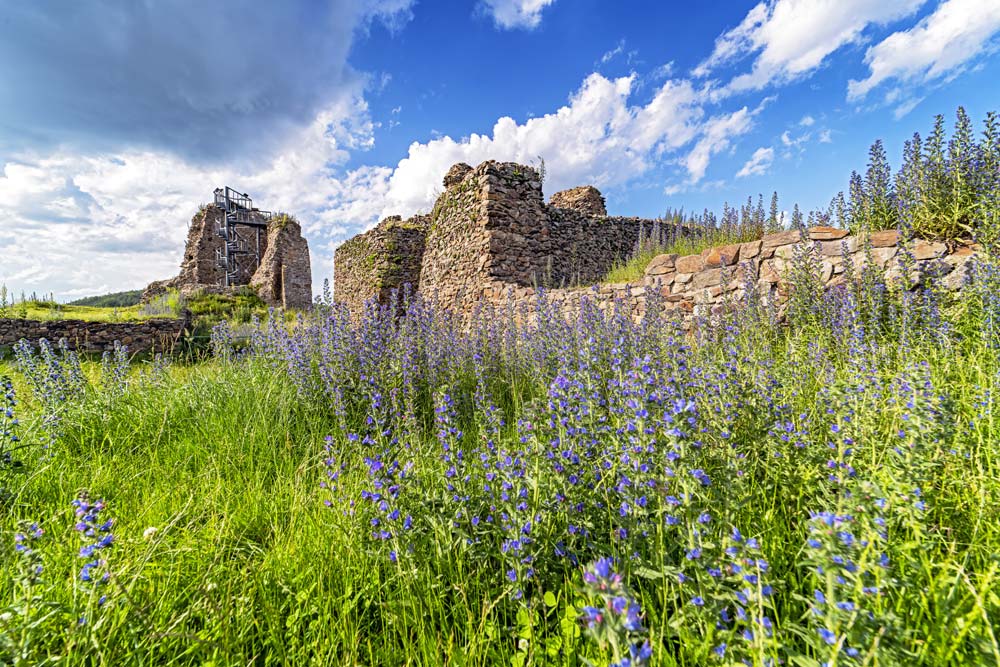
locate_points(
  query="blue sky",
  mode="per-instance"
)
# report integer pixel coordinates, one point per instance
(119, 117)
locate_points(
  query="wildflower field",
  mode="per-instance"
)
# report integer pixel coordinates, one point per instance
(821, 489)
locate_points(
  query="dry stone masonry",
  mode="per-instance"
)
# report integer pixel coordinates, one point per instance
(489, 229)
(704, 285)
(284, 276)
(157, 335)
(491, 239)
(282, 279)
(386, 258)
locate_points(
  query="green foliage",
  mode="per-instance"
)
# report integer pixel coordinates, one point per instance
(685, 234)
(209, 309)
(224, 550)
(113, 300)
(946, 187)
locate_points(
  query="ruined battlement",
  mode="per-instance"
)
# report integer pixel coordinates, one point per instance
(490, 226)
(268, 253)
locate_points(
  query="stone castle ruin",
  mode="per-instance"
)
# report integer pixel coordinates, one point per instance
(490, 232)
(231, 244)
(492, 239)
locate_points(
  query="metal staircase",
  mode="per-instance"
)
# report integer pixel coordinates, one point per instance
(240, 254)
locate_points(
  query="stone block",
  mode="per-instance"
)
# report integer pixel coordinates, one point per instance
(836, 248)
(884, 239)
(882, 255)
(689, 264)
(772, 241)
(826, 233)
(785, 252)
(749, 250)
(706, 278)
(661, 264)
(720, 256)
(928, 249)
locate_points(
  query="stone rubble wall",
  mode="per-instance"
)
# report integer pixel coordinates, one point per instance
(284, 275)
(492, 239)
(492, 225)
(701, 286)
(585, 199)
(383, 259)
(156, 335)
(283, 278)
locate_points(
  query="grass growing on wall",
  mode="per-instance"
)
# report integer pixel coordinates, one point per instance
(634, 269)
(47, 310)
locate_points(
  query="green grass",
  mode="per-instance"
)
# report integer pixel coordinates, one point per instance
(46, 310)
(634, 268)
(246, 566)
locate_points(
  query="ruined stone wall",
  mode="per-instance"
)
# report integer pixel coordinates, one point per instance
(200, 263)
(373, 264)
(582, 249)
(701, 285)
(284, 275)
(492, 225)
(157, 335)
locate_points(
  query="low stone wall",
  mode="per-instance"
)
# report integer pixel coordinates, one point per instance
(701, 285)
(157, 335)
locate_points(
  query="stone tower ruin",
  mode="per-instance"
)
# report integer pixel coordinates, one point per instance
(233, 244)
(490, 232)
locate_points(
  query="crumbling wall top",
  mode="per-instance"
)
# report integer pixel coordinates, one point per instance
(585, 199)
(456, 174)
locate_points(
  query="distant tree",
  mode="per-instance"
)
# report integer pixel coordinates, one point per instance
(114, 300)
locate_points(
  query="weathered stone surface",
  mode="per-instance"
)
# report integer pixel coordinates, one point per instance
(382, 261)
(836, 248)
(826, 233)
(726, 255)
(928, 249)
(706, 278)
(772, 241)
(689, 264)
(784, 251)
(585, 199)
(284, 276)
(455, 175)
(156, 335)
(661, 264)
(882, 255)
(884, 239)
(750, 250)
(200, 264)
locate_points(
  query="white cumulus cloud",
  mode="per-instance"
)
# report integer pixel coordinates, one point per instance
(935, 48)
(758, 163)
(510, 14)
(82, 223)
(793, 37)
(597, 138)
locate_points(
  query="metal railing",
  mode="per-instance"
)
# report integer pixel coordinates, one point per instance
(238, 211)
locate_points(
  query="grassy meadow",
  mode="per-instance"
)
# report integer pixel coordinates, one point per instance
(816, 489)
